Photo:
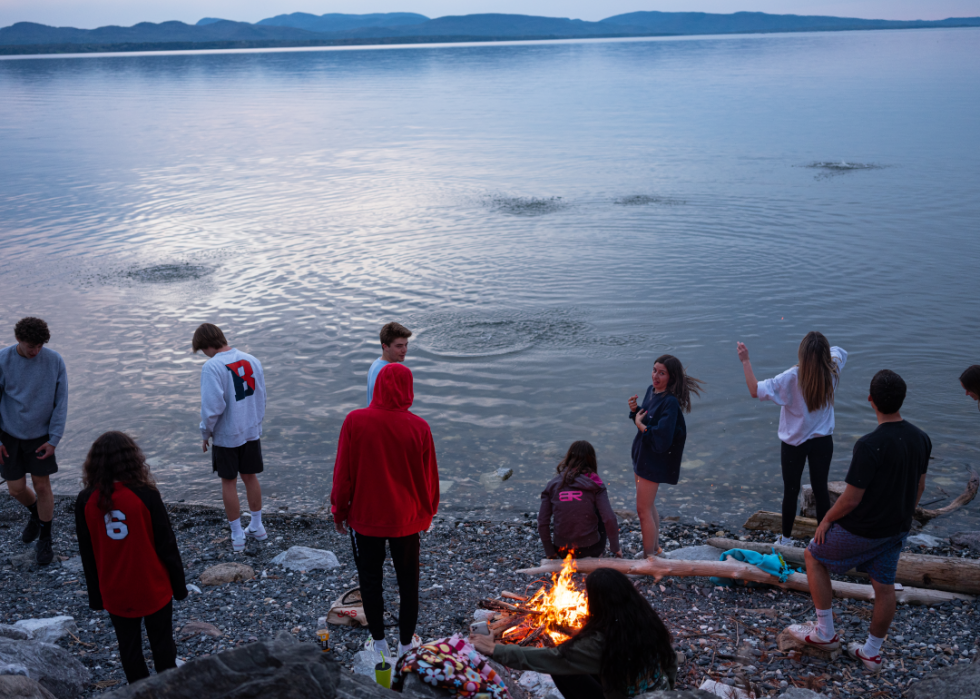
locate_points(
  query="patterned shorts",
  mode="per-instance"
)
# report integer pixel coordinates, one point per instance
(841, 551)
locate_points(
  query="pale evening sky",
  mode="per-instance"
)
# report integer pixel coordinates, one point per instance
(95, 13)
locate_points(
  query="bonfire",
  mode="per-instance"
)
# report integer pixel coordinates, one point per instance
(547, 618)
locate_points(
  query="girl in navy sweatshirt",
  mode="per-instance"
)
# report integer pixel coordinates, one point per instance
(576, 500)
(129, 552)
(658, 446)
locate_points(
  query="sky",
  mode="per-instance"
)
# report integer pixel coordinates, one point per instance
(88, 14)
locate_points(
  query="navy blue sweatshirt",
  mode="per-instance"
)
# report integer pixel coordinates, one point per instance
(657, 453)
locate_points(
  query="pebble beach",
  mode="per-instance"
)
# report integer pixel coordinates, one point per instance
(725, 634)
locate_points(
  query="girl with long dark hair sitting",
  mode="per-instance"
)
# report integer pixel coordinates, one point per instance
(623, 649)
(129, 552)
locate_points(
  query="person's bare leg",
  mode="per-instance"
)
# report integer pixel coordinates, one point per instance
(884, 610)
(818, 578)
(646, 509)
(253, 491)
(229, 496)
(45, 497)
(22, 492)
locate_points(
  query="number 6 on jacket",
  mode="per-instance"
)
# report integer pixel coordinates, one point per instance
(115, 527)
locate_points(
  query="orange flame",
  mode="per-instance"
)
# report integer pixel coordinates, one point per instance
(563, 607)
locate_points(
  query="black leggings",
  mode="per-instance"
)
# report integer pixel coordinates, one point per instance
(579, 686)
(369, 557)
(819, 450)
(160, 634)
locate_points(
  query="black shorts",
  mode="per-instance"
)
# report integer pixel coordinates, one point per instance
(22, 458)
(228, 462)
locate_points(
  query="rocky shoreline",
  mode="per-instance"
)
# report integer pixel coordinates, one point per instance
(726, 634)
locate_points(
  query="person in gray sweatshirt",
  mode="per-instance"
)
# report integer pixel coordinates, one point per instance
(232, 409)
(33, 411)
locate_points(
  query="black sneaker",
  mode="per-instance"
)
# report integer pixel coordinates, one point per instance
(44, 553)
(32, 529)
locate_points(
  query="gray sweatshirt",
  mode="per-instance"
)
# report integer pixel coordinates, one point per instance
(232, 399)
(33, 395)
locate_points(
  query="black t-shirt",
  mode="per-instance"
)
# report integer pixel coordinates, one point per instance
(887, 464)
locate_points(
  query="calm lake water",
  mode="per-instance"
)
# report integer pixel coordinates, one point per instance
(547, 217)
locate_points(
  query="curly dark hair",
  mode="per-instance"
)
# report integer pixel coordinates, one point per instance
(115, 456)
(33, 331)
(636, 641)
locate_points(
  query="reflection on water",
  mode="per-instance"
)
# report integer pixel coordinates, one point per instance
(547, 218)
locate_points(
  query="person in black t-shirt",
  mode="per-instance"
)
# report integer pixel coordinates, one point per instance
(867, 526)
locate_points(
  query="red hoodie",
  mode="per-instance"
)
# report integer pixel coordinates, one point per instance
(385, 479)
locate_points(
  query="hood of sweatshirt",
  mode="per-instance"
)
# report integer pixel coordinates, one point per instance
(393, 388)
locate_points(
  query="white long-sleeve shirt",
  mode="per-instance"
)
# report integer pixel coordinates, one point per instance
(232, 398)
(796, 423)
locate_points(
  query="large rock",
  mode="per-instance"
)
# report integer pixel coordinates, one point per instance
(14, 632)
(281, 669)
(970, 539)
(679, 694)
(305, 558)
(695, 553)
(48, 630)
(959, 681)
(53, 667)
(226, 573)
(20, 687)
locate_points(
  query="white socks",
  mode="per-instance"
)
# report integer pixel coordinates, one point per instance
(236, 529)
(256, 521)
(872, 647)
(825, 624)
(381, 647)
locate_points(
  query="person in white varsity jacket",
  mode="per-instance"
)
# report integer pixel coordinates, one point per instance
(232, 408)
(129, 552)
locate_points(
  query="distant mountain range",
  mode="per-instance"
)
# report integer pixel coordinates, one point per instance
(302, 29)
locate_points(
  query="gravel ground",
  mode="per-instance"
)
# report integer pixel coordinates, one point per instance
(727, 635)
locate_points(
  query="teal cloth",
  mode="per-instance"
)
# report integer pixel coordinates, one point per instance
(771, 563)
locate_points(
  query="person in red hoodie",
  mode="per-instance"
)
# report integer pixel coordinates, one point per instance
(129, 552)
(386, 490)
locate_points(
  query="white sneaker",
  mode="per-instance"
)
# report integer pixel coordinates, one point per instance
(871, 665)
(257, 534)
(785, 541)
(416, 643)
(237, 545)
(807, 633)
(370, 648)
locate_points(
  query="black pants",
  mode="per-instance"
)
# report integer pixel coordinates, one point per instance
(369, 557)
(579, 686)
(819, 451)
(160, 634)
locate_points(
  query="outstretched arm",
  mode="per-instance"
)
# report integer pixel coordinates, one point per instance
(750, 380)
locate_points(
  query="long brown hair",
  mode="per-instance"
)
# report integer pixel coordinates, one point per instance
(817, 371)
(115, 456)
(680, 385)
(579, 459)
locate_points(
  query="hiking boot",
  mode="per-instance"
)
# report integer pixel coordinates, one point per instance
(238, 545)
(32, 529)
(44, 553)
(258, 534)
(807, 633)
(871, 665)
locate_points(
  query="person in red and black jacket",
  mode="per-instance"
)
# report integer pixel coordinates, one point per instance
(129, 552)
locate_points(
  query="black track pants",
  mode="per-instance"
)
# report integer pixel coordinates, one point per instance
(369, 556)
(160, 634)
(819, 451)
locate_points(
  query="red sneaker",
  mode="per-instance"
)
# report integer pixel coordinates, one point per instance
(807, 633)
(872, 665)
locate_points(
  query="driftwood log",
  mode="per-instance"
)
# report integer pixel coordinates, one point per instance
(931, 572)
(922, 515)
(803, 527)
(660, 567)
